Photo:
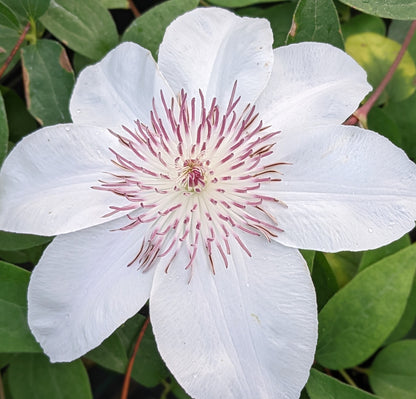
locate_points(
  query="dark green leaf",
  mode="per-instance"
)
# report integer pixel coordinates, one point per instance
(403, 113)
(19, 120)
(393, 372)
(316, 21)
(84, 26)
(8, 18)
(115, 352)
(23, 256)
(375, 53)
(374, 255)
(4, 132)
(80, 62)
(323, 279)
(344, 265)
(5, 359)
(15, 335)
(304, 394)
(240, 3)
(14, 241)
(322, 386)
(9, 36)
(407, 320)
(279, 16)
(380, 121)
(359, 317)
(398, 31)
(26, 9)
(149, 369)
(395, 9)
(148, 30)
(33, 376)
(178, 391)
(309, 257)
(48, 79)
(111, 354)
(363, 23)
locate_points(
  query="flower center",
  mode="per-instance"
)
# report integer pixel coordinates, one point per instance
(192, 175)
(196, 177)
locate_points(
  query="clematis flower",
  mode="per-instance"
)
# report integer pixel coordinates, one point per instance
(192, 183)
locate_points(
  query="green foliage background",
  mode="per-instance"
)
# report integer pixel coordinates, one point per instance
(367, 301)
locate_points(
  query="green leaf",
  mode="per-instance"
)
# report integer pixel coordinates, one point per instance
(324, 280)
(398, 31)
(5, 359)
(322, 386)
(178, 391)
(279, 16)
(240, 3)
(363, 23)
(375, 53)
(381, 122)
(111, 354)
(148, 30)
(375, 255)
(316, 21)
(309, 257)
(407, 320)
(9, 35)
(395, 9)
(14, 241)
(149, 369)
(393, 372)
(359, 317)
(403, 113)
(48, 79)
(26, 9)
(115, 352)
(4, 133)
(23, 256)
(33, 376)
(344, 265)
(84, 26)
(112, 4)
(8, 18)
(15, 335)
(19, 120)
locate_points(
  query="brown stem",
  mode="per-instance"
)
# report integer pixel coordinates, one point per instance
(362, 112)
(134, 9)
(126, 383)
(14, 50)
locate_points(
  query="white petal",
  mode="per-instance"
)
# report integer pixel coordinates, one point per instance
(248, 332)
(45, 183)
(82, 289)
(210, 49)
(311, 84)
(346, 189)
(119, 89)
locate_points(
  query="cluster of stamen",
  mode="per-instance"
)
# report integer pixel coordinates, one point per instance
(194, 176)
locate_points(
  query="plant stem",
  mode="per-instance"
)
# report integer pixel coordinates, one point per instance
(362, 112)
(15, 48)
(126, 383)
(362, 370)
(166, 391)
(347, 378)
(134, 9)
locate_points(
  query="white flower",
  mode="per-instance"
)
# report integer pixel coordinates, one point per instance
(181, 183)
